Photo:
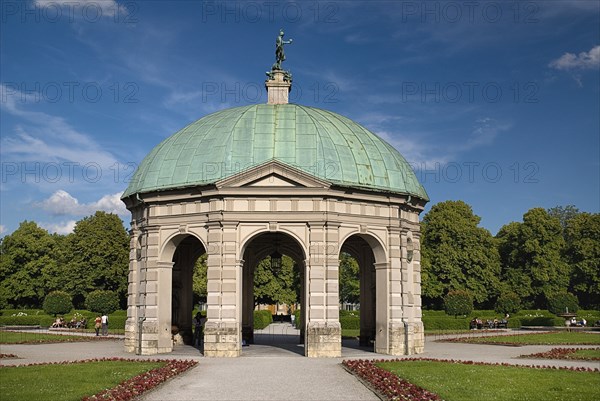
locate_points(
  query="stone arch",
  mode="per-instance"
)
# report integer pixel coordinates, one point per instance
(247, 240)
(169, 245)
(254, 249)
(181, 250)
(376, 243)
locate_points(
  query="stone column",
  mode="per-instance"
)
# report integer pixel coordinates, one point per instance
(399, 278)
(382, 310)
(418, 345)
(323, 330)
(222, 333)
(133, 294)
(154, 297)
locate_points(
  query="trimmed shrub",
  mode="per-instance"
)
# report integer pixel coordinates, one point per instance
(115, 322)
(508, 303)
(458, 303)
(298, 319)
(350, 322)
(262, 318)
(559, 302)
(22, 320)
(58, 303)
(102, 301)
(445, 323)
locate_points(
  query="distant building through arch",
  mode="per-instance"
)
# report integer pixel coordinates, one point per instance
(241, 183)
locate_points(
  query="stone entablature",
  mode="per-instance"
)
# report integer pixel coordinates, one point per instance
(318, 218)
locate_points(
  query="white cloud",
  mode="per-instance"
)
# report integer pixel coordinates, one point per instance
(415, 151)
(2, 229)
(581, 61)
(47, 138)
(63, 203)
(59, 228)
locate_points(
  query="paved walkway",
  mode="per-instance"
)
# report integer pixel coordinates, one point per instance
(276, 372)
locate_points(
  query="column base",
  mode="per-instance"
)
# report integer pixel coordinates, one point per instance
(323, 340)
(149, 340)
(222, 340)
(405, 340)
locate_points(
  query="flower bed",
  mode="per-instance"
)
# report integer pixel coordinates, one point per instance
(563, 353)
(391, 387)
(386, 384)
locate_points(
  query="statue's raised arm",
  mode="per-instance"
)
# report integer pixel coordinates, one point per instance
(279, 52)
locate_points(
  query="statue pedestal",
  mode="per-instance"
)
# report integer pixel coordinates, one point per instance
(278, 87)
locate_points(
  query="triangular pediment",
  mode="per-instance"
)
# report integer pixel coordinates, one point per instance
(273, 174)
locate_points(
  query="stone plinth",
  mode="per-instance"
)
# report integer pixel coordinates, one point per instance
(222, 339)
(405, 340)
(150, 343)
(278, 88)
(324, 340)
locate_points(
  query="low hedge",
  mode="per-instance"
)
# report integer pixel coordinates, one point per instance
(447, 323)
(350, 322)
(39, 318)
(262, 318)
(33, 320)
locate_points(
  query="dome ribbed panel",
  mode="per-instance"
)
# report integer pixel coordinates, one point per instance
(319, 142)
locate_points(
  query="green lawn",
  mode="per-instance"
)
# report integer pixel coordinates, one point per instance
(455, 381)
(554, 338)
(587, 353)
(66, 382)
(13, 337)
(350, 333)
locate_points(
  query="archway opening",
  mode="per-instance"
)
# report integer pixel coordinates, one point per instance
(273, 284)
(358, 291)
(185, 277)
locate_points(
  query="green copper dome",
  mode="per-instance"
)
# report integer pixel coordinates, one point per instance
(321, 143)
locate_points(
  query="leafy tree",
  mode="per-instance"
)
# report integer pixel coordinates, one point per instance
(562, 302)
(530, 252)
(199, 279)
(58, 303)
(457, 254)
(583, 254)
(26, 260)
(3, 302)
(508, 302)
(102, 301)
(97, 257)
(271, 288)
(564, 214)
(349, 279)
(458, 303)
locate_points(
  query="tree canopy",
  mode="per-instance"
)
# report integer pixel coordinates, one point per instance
(531, 254)
(98, 257)
(582, 252)
(281, 287)
(27, 265)
(457, 254)
(349, 279)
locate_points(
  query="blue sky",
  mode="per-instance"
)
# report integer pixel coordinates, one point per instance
(493, 102)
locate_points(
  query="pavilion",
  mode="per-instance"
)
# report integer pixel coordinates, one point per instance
(243, 183)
